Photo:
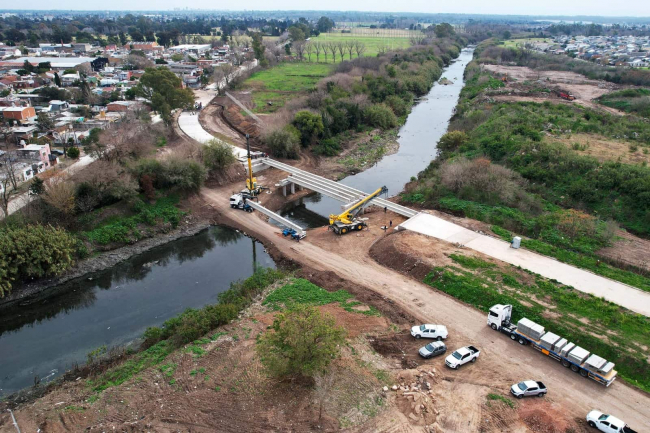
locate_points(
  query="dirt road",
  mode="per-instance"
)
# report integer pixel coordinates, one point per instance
(502, 362)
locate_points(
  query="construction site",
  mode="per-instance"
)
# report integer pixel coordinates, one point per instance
(392, 259)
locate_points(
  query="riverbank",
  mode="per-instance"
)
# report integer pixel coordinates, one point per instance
(37, 290)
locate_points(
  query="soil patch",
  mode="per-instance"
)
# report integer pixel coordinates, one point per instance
(603, 149)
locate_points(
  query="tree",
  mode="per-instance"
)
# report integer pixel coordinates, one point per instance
(318, 47)
(324, 25)
(217, 155)
(37, 186)
(349, 47)
(444, 30)
(165, 91)
(283, 143)
(258, 49)
(340, 46)
(309, 125)
(309, 49)
(302, 343)
(60, 195)
(33, 251)
(57, 79)
(296, 34)
(331, 46)
(359, 48)
(73, 152)
(300, 49)
(44, 122)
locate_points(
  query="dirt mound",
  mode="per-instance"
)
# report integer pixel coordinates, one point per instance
(388, 253)
(400, 346)
(543, 417)
(233, 173)
(414, 396)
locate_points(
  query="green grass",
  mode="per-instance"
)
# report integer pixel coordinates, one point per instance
(283, 82)
(615, 334)
(471, 262)
(499, 397)
(125, 371)
(301, 291)
(121, 229)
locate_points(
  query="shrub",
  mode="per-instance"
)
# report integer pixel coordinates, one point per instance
(73, 152)
(33, 251)
(398, 105)
(178, 173)
(302, 343)
(380, 116)
(217, 155)
(328, 147)
(283, 143)
(309, 125)
(452, 140)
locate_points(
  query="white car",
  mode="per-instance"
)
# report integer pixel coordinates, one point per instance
(462, 356)
(438, 332)
(528, 388)
(607, 423)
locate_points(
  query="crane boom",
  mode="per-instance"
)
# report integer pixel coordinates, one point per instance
(348, 215)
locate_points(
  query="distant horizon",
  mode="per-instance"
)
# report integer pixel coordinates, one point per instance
(618, 14)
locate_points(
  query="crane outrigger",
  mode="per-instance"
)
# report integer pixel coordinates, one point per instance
(348, 221)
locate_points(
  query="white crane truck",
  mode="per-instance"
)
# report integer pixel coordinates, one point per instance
(552, 345)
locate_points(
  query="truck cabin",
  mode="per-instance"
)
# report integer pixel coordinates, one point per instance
(500, 315)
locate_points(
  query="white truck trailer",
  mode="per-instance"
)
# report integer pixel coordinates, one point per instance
(552, 345)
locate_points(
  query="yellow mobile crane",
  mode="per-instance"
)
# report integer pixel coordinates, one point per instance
(347, 221)
(251, 182)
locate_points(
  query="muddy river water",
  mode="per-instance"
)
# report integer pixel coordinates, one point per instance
(115, 306)
(417, 139)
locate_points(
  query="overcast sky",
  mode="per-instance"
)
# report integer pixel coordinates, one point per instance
(634, 8)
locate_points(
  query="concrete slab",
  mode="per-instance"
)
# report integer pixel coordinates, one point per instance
(626, 296)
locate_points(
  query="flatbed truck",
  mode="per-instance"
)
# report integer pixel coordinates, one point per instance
(570, 355)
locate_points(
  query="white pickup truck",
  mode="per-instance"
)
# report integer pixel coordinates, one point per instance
(607, 423)
(462, 356)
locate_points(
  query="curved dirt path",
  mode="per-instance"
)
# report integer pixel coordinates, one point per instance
(501, 363)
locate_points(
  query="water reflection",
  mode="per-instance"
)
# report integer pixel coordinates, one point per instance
(115, 306)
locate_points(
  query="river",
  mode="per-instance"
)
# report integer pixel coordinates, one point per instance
(114, 307)
(417, 138)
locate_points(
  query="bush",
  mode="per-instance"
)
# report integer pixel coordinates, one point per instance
(73, 152)
(328, 147)
(398, 105)
(452, 140)
(33, 251)
(309, 125)
(217, 155)
(379, 116)
(302, 343)
(283, 143)
(178, 173)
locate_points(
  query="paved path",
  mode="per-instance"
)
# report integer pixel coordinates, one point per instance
(626, 296)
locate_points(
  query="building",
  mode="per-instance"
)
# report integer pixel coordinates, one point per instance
(120, 106)
(57, 63)
(144, 46)
(191, 48)
(18, 113)
(38, 154)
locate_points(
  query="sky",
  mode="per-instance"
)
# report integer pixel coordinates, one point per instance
(633, 8)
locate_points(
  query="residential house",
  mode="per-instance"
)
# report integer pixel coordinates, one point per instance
(18, 113)
(38, 154)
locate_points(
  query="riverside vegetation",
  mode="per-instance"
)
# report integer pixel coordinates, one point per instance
(498, 164)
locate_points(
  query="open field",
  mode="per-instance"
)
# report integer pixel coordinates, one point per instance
(281, 83)
(367, 31)
(373, 43)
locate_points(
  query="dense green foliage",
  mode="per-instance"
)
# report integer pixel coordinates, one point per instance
(184, 174)
(33, 251)
(283, 143)
(302, 343)
(165, 91)
(627, 332)
(217, 155)
(127, 229)
(635, 101)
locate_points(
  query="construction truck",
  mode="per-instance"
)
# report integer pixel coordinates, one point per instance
(348, 221)
(567, 96)
(527, 332)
